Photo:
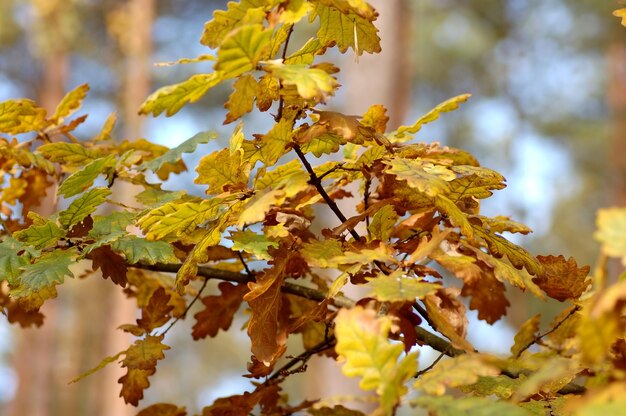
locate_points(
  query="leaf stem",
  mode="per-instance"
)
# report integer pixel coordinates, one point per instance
(538, 338)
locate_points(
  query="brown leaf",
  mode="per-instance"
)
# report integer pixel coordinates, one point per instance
(16, 314)
(38, 184)
(219, 310)
(163, 409)
(562, 279)
(82, 228)
(448, 315)
(140, 359)
(110, 263)
(487, 296)
(133, 385)
(157, 312)
(239, 405)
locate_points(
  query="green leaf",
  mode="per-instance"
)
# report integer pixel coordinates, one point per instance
(288, 177)
(175, 154)
(526, 335)
(84, 178)
(310, 82)
(141, 250)
(82, 206)
(448, 105)
(40, 236)
(172, 98)
(469, 406)
(238, 14)
(13, 256)
(363, 345)
(180, 218)
(242, 50)
(107, 128)
(21, 116)
(611, 233)
(241, 101)
(319, 253)
(70, 103)
(253, 243)
(115, 222)
(347, 30)
(397, 287)
(46, 272)
(424, 176)
(70, 154)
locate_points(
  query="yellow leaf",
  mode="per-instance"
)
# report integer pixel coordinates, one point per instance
(347, 30)
(311, 83)
(526, 335)
(242, 50)
(453, 372)
(611, 223)
(295, 11)
(268, 92)
(70, 103)
(258, 206)
(457, 217)
(107, 128)
(448, 105)
(237, 14)
(383, 223)
(21, 116)
(376, 118)
(288, 177)
(172, 98)
(241, 100)
(222, 171)
(180, 218)
(553, 375)
(319, 253)
(269, 147)
(367, 353)
(200, 58)
(397, 287)
(621, 13)
(306, 54)
(449, 316)
(382, 253)
(72, 154)
(424, 176)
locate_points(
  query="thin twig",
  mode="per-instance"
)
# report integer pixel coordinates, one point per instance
(540, 337)
(281, 102)
(245, 265)
(302, 358)
(184, 314)
(430, 367)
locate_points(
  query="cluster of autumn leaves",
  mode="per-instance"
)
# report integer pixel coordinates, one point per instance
(417, 220)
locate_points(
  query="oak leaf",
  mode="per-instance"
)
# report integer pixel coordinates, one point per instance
(70, 103)
(562, 279)
(140, 360)
(111, 264)
(163, 409)
(241, 101)
(219, 310)
(526, 335)
(347, 30)
(453, 372)
(157, 313)
(449, 316)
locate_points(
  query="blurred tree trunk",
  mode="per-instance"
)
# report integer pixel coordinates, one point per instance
(80, 326)
(37, 349)
(131, 26)
(385, 79)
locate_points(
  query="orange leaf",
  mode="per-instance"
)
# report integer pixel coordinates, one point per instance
(157, 312)
(219, 310)
(487, 296)
(562, 279)
(265, 300)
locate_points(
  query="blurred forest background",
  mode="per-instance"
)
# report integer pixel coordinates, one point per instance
(548, 111)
